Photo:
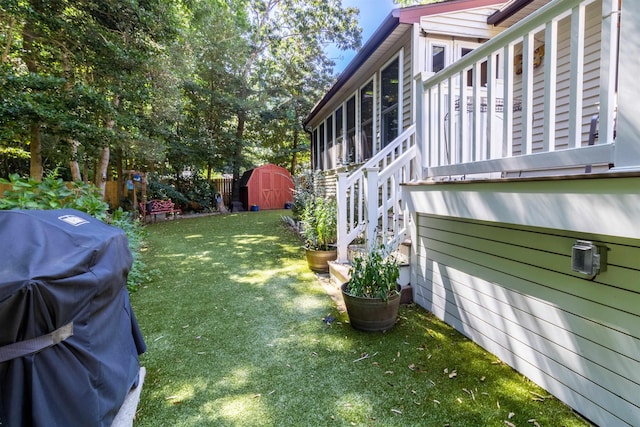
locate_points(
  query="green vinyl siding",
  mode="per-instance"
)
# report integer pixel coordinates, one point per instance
(511, 289)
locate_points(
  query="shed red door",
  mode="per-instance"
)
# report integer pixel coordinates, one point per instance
(270, 187)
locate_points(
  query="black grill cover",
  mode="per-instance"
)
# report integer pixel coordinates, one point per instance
(57, 267)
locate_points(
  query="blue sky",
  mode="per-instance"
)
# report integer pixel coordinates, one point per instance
(372, 13)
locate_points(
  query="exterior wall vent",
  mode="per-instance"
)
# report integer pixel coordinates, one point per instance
(585, 258)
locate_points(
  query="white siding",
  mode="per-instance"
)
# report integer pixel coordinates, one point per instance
(326, 184)
(470, 23)
(407, 88)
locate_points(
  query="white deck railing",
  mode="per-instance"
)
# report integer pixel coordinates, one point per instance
(370, 198)
(533, 119)
(536, 119)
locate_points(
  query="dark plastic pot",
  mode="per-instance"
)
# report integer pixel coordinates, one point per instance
(318, 261)
(371, 314)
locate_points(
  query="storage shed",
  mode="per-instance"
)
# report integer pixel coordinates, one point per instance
(267, 187)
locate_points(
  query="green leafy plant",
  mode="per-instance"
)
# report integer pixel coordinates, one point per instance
(53, 193)
(303, 193)
(374, 275)
(320, 223)
(136, 234)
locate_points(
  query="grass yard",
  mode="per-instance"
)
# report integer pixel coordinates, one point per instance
(235, 333)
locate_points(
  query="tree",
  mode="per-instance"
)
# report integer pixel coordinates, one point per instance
(97, 88)
(207, 130)
(284, 31)
(82, 74)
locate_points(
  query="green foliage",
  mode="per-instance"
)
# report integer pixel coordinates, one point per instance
(190, 194)
(303, 193)
(92, 72)
(53, 193)
(136, 234)
(320, 223)
(164, 189)
(374, 275)
(168, 86)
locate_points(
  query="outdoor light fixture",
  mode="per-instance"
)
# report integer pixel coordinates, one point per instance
(585, 258)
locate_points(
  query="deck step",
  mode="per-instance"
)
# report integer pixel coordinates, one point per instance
(339, 272)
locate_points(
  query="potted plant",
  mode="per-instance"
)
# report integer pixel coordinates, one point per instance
(371, 295)
(320, 232)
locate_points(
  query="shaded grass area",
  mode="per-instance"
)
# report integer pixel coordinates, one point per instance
(235, 333)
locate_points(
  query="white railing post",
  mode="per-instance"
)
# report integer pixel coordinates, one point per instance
(627, 155)
(341, 194)
(608, 70)
(371, 204)
(418, 138)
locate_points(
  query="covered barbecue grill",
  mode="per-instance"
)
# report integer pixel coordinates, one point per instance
(69, 341)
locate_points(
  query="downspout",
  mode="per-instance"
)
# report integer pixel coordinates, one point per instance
(311, 147)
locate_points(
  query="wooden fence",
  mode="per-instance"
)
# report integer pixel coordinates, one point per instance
(223, 186)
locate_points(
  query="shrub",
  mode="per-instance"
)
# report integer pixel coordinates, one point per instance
(135, 234)
(374, 275)
(53, 193)
(303, 194)
(190, 194)
(320, 223)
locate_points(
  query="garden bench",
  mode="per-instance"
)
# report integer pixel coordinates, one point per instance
(156, 206)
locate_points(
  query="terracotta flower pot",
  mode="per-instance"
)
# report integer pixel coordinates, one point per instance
(371, 314)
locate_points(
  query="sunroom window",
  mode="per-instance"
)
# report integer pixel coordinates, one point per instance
(366, 121)
(389, 102)
(351, 131)
(336, 152)
(437, 58)
(322, 145)
(314, 144)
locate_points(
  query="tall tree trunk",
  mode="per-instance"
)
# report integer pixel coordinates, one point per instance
(9, 40)
(294, 155)
(120, 172)
(101, 170)
(35, 163)
(73, 162)
(237, 156)
(85, 169)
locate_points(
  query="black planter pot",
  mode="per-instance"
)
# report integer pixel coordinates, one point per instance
(318, 261)
(371, 314)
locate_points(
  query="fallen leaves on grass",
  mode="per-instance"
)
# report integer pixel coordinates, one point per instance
(452, 374)
(538, 397)
(365, 356)
(470, 393)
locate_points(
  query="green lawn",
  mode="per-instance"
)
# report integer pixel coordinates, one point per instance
(235, 333)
